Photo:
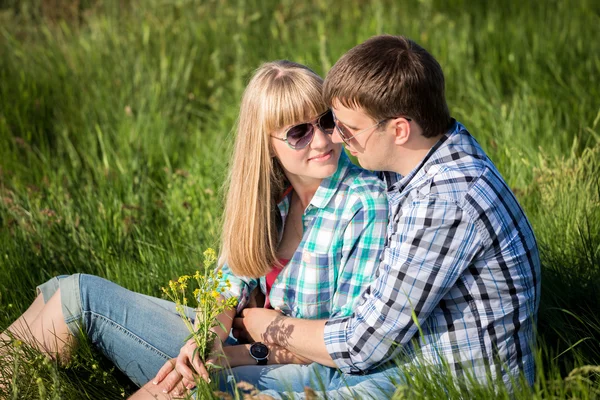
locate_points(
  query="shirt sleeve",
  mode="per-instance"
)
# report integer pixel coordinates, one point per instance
(239, 287)
(363, 240)
(433, 243)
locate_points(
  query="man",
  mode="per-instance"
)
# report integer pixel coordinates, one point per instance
(459, 281)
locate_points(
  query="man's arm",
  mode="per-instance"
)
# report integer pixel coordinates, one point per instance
(433, 245)
(303, 337)
(435, 241)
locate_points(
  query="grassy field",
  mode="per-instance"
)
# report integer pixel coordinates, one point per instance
(116, 127)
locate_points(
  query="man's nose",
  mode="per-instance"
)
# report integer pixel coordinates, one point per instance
(335, 136)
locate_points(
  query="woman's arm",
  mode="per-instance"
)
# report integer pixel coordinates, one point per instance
(240, 355)
(302, 338)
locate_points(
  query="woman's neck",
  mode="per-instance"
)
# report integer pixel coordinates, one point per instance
(305, 190)
(304, 194)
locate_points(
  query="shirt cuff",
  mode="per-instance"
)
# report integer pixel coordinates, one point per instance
(336, 342)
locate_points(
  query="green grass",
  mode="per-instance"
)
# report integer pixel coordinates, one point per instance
(116, 126)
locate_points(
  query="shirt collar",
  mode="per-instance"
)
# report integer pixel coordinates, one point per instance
(330, 185)
(326, 189)
(454, 140)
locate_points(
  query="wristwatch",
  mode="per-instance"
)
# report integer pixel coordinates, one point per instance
(260, 352)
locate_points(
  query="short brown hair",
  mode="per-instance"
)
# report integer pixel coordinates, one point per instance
(389, 76)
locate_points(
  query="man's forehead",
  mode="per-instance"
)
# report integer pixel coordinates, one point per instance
(348, 114)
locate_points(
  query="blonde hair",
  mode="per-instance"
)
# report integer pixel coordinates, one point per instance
(279, 94)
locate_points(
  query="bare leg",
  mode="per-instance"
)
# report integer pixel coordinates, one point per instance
(43, 326)
(21, 329)
(21, 325)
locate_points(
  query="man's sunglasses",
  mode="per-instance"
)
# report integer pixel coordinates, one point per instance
(347, 135)
(299, 136)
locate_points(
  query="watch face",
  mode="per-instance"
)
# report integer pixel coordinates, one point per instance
(259, 351)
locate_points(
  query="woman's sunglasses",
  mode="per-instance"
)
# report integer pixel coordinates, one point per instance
(299, 136)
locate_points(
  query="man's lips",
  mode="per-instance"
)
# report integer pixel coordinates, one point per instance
(322, 157)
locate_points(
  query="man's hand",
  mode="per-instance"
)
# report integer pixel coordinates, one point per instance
(256, 324)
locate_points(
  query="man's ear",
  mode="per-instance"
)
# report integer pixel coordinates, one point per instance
(402, 130)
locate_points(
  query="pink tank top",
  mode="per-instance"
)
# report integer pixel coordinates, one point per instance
(270, 279)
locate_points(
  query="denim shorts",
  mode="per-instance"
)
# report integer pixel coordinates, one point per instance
(138, 333)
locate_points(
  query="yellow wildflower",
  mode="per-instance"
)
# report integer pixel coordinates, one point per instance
(209, 256)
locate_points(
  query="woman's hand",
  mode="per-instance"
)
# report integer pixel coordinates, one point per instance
(177, 374)
(169, 379)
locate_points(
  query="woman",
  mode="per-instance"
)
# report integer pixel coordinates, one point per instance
(301, 221)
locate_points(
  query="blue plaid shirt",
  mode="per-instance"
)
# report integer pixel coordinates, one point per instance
(462, 260)
(344, 234)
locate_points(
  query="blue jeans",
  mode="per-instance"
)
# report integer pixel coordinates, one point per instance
(138, 333)
(288, 381)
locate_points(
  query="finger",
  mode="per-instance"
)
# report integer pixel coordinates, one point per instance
(214, 361)
(179, 389)
(201, 370)
(164, 371)
(171, 381)
(183, 368)
(199, 367)
(188, 384)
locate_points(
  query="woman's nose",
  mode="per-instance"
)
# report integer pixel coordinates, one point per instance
(321, 139)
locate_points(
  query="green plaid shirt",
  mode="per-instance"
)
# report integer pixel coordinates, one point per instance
(344, 233)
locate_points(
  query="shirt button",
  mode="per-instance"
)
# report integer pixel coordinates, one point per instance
(306, 256)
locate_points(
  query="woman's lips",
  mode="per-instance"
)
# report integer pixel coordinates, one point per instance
(322, 157)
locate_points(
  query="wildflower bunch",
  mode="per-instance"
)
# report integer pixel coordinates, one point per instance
(205, 289)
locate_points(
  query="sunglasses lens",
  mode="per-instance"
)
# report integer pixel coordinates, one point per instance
(299, 136)
(343, 131)
(326, 123)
